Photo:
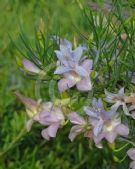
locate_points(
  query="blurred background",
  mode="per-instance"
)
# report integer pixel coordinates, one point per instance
(29, 150)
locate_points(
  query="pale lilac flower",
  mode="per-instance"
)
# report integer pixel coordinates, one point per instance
(30, 66)
(32, 108)
(44, 113)
(80, 125)
(131, 154)
(76, 71)
(52, 117)
(118, 99)
(106, 124)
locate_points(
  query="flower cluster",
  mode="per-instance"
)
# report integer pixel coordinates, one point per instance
(75, 70)
(99, 122)
(44, 113)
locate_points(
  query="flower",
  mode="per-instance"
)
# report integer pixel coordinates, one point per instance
(32, 108)
(106, 124)
(75, 70)
(30, 66)
(52, 117)
(118, 99)
(80, 125)
(44, 113)
(131, 154)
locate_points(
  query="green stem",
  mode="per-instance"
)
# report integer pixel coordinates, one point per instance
(121, 148)
(13, 143)
(123, 159)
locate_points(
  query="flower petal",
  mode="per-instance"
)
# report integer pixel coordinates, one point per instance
(61, 70)
(115, 107)
(66, 43)
(132, 107)
(65, 84)
(61, 57)
(133, 114)
(76, 118)
(31, 67)
(29, 103)
(50, 117)
(94, 102)
(29, 124)
(47, 106)
(89, 111)
(45, 118)
(81, 71)
(65, 51)
(122, 130)
(45, 134)
(87, 65)
(75, 130)
(50, 131)
(84, 84)
(98, 128)
(36, 117)
(100, 103)
(110, 136)
(131, 153)
(125, 109)
(59, 54)
(132, 165)
(77, 53)
(63, 42)
(110, 96)
(98, 140)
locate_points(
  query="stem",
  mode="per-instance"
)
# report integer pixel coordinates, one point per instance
(130, 142)
(12, 144)
(121, 148)
(123, 159)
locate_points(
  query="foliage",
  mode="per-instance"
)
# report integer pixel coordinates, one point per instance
(113, 57)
